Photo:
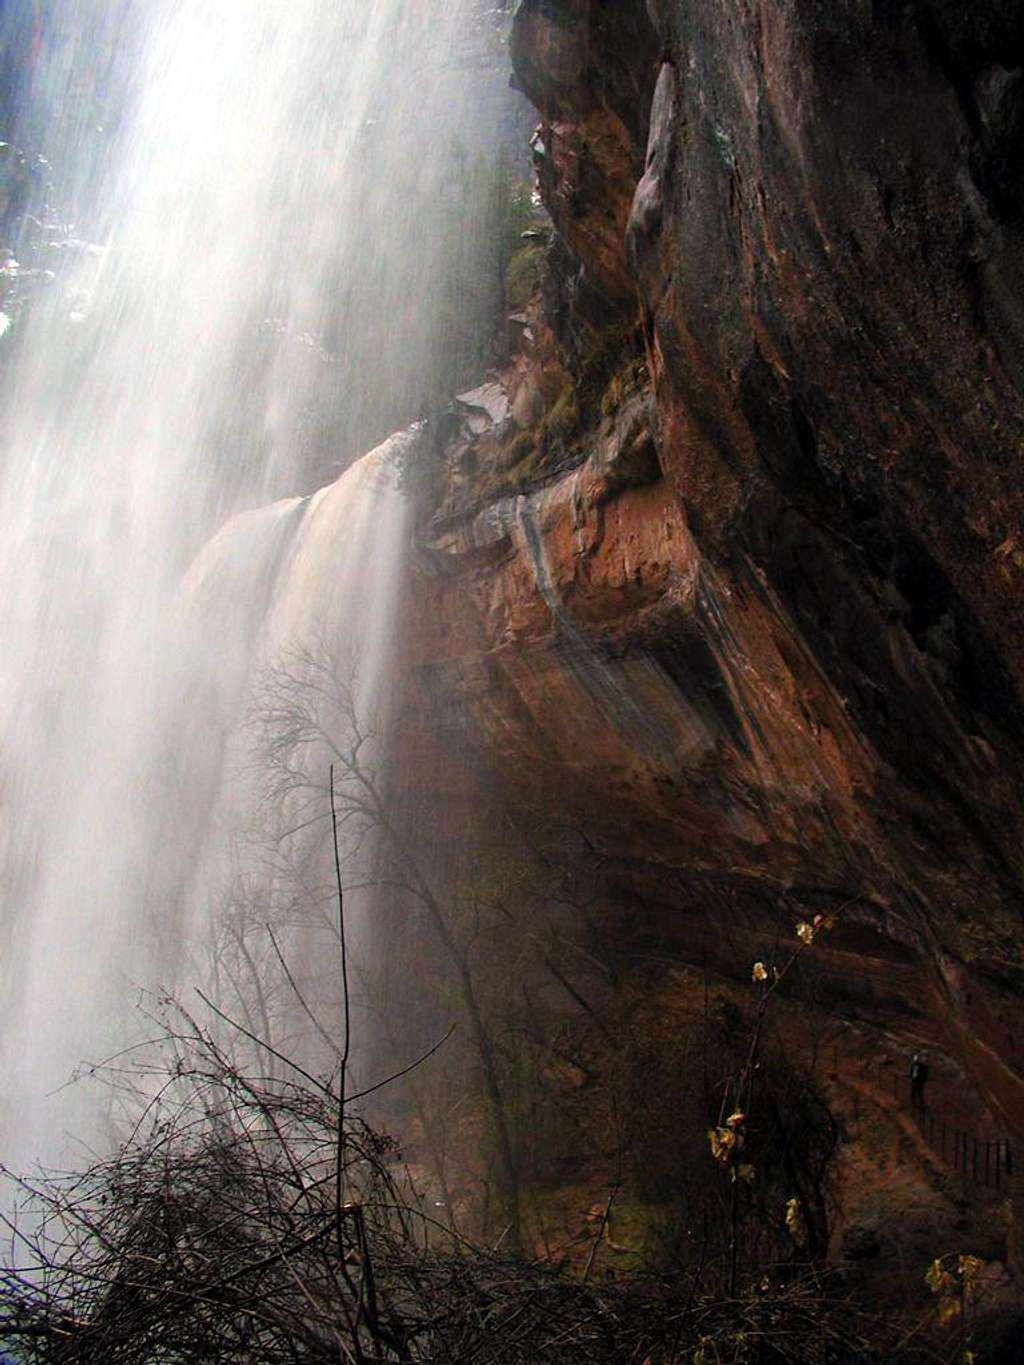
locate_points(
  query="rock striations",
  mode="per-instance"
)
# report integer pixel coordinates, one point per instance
(757, 621)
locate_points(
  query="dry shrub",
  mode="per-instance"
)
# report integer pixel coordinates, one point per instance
(242, 1220)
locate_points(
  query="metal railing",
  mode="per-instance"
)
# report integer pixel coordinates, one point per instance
(986, 1161)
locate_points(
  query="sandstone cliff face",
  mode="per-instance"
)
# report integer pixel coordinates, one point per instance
(762, 636)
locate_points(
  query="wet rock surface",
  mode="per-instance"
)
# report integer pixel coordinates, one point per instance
(764, 637)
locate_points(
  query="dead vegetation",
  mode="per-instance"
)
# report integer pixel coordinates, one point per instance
(249, 1211)
(252, 1220)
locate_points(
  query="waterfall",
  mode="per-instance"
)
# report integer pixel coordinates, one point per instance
(285, 693)
(271, 246)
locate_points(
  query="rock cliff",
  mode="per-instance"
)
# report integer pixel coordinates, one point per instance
(753, 621)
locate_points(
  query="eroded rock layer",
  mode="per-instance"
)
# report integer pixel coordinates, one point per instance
(758, 628)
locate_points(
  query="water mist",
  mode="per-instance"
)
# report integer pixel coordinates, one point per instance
(278, 230)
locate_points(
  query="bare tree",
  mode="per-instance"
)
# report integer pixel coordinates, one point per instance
(307, 718)
(216, 1234)
(254, 1217)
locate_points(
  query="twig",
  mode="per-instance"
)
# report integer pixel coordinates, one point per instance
(255, 1038)
(600, 1234)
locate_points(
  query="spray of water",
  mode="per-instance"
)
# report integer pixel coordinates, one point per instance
(285, 255)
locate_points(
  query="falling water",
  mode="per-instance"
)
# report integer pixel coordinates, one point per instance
(278, 225)
(286, 691)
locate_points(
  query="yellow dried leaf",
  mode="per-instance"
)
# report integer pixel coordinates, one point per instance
(795, 1219)
(735, 1119)
(746, 1172)
(949, 1311)
(723, 1143)
(969, 1268)
(805, 931)
(939, 1280)
(760, 972)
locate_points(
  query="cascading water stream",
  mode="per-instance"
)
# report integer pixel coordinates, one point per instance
(284, 215)
(287, 695)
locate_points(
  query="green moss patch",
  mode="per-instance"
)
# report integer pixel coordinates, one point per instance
(522, 275)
